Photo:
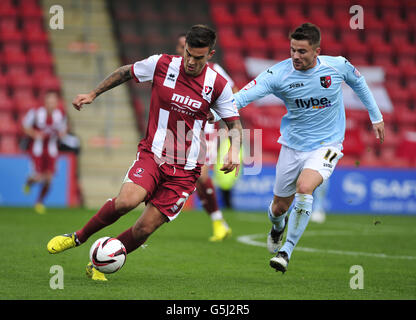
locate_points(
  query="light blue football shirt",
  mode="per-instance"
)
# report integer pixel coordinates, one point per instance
(313, 99)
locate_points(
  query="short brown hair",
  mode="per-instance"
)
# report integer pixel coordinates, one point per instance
(201, 36)
(308, 31)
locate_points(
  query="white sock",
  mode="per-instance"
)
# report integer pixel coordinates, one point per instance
(216, 215)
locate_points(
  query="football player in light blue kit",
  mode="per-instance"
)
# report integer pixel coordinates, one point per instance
(312, 131)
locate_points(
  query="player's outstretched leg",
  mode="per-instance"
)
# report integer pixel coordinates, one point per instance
(129, 198)
(298, 220)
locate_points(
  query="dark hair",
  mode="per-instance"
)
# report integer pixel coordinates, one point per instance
(200, 36)
(308, 31)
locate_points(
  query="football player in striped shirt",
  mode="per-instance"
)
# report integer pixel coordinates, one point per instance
(170, 156)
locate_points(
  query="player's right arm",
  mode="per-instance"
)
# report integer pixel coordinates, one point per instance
(254, 90)
(116, 78)
(258, 88)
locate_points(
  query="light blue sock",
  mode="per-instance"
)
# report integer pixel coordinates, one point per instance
(278, 222)
(298, 220)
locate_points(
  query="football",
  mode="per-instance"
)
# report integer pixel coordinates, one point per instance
(108, 254)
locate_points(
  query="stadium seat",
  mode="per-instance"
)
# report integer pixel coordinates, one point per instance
(245, 16)
(253, 39)
(19, 81)
(47, 83)
(407, 147)
(23, 100)
(332, 48)
(393, 75)
(353, 144)
(9, 144)
(398, 94)
(13, 53)
(240, 78)
(370, 158)
(390, 159)
(8, 124)
(33, 32)
(221, 15)
(233, 61)
(28, 9)
(270, 17)
(9, 31)
(39, 55)
(228, 39)
(7, 9)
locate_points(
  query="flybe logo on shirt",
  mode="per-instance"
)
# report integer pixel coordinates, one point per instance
(313, 103)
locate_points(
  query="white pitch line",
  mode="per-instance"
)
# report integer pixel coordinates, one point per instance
(248, 239)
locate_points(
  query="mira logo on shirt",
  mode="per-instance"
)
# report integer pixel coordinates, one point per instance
(186, 102)
(313, 103)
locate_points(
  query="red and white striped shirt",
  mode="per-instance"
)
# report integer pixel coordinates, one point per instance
(179, 107)
(50, 125)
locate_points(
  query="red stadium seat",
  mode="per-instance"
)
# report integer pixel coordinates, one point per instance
(228, 39)
(253, 39)
(221, 15)
(13, 54)
(7, 9)
(271, 18)
(398, 94)
(47, 83)
(19, 81)
(353, 143)
(6, 103)
(233, 61)
(245, 16)
(8, 124)
(404, 116)
(28, 9)
(9, 31)
(23, 100)
(33, 31)
(9, 144)
(39, 55)
(407, 147)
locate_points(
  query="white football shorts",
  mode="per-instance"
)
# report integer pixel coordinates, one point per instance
(291, 162)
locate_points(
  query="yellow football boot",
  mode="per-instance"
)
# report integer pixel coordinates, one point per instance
(63, 242)
(221, 231)
(40, 208)
(94, 274)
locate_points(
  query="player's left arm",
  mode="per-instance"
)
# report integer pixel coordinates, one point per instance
(116, 78)
(227, 111)
(232, 158)
(357, 82)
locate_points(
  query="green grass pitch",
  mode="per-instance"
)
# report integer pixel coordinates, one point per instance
(178, 262)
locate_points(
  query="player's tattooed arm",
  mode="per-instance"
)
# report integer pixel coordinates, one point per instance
(116, 78)
(232, 159)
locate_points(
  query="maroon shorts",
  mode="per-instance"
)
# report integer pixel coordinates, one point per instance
(168, 187)
(44, 163)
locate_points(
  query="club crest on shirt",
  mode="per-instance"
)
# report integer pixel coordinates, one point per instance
(138, 173)
(207, 90)
(326, 81)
